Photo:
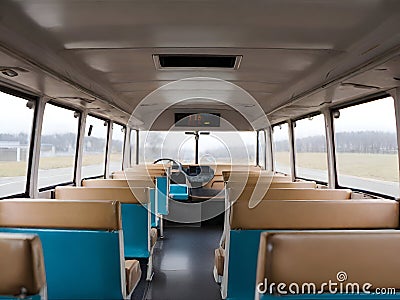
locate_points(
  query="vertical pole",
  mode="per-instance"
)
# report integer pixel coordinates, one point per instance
(37, 138)
(108, 149)
(196, 154)
(257, 148)
(330, 148)
(80, 148)
(137, 147)
(126, 159)
(292, 151)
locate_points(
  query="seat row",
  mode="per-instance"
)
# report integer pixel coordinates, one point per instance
(285, 219)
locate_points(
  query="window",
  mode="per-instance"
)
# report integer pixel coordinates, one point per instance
(58, 146)
(310, 145)
(94, 148)
(262, 149)
(281, 148)
(232, 147)
(366, 147)
(168, 144)
(117, 147)
(16, 121)
(133, 146)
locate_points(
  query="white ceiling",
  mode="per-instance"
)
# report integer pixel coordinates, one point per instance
(295, 52)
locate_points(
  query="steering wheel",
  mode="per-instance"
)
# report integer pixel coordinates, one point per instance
(174, 162)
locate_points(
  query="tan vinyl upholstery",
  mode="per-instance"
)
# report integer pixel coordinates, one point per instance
(316, 214)
(234, 174)
(117, 183)
(132, 275)
(219, 260)
(124, 195)
(22, 265)
(288, 194)
(317, 257)
(70, 214)
(153, 236)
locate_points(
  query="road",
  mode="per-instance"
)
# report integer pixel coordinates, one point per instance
(15, 185)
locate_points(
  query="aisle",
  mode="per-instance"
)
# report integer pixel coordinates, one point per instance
(183, 265)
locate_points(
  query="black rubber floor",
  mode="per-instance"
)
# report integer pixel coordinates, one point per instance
(183, 265)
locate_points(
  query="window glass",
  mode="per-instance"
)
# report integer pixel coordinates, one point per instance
(262, 149)
(133, 146)
(366, 147)
(16, 121)
(310, 145)
(281, 148)
(227, 148)
(94, 149)
(168, 144)
(58, 146)
(117, 147)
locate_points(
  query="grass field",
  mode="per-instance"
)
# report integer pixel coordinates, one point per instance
(14, 169)
(373, 166)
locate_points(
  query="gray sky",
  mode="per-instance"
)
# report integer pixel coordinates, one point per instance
(376, 115)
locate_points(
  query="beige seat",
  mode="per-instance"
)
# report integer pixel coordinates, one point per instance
(316, 214)
(153, 236)
(219, 260)
(22, 271)
(71, 214)
(124, 195)
(133, 273)
(65, 214)
(287, 194)
(117, 183)
(317, 257)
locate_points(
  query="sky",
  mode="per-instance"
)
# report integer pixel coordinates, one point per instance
(376, 115)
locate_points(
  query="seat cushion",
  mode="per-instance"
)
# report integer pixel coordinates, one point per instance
(132, 274)
(22, 264)
(153, 236)
(219, 260)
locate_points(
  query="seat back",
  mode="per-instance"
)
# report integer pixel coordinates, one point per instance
(118, 183)
(261, 193)
(135, 208)
(350, 258)
(248, 223)
(22, 265)
(81, 244)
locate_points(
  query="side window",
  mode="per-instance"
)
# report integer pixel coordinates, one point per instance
(16, 121)
(310, 145)
(366, 147)
(133, 146)
(94, 150)
(58, 146)
(281, 148)
(117, 147)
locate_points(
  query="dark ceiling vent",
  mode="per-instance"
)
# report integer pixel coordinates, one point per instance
(194, 61)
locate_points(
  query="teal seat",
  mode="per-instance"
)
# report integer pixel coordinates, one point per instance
(179, 192)
(81, 245)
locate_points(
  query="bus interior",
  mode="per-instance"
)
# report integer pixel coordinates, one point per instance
(174, 150)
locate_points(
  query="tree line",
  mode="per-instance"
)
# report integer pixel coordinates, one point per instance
(350, 142)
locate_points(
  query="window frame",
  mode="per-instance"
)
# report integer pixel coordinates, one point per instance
(124, 127)
(355, 102)
(75, 165)
(30, 98)
(273, 146)
(106, 148)
(311, 115)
